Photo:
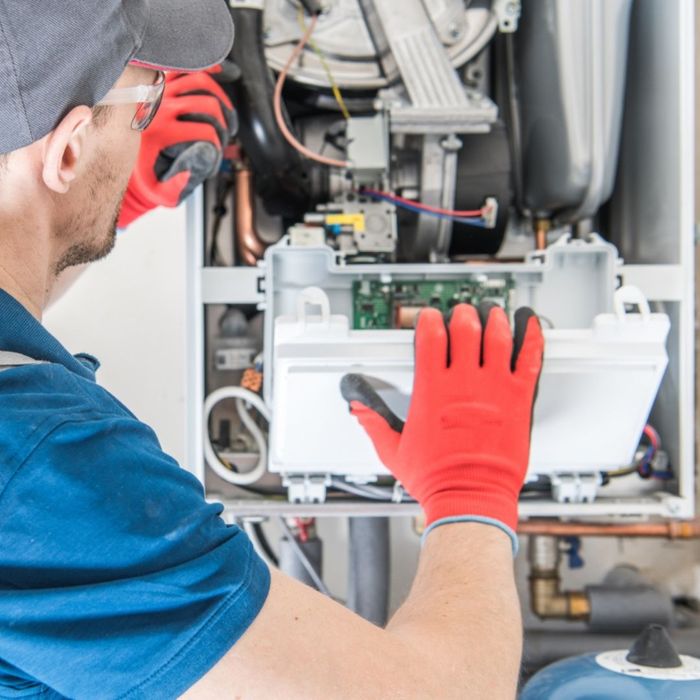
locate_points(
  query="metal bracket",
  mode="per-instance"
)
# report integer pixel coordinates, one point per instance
(437, 101)
(508, 14)
(306, 488)
(574, 488)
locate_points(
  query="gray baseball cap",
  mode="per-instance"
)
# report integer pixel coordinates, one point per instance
(58, 54)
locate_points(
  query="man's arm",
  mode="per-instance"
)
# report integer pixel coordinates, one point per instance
(458, 635)
(462, 453)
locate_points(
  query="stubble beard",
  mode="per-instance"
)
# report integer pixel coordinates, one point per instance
(93, 238)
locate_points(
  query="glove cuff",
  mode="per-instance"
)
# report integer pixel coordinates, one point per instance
(476, 519)
(500, 506)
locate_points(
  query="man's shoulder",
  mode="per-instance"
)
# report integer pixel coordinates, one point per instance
(36, 400)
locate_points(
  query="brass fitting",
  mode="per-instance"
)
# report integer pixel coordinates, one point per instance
(547, 600)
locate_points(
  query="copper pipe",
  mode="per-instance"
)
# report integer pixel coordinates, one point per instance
(249, 244)
(542, 227)
(672, 529)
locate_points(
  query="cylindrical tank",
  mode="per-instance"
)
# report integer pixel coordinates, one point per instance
(571, 58)
(650, 670)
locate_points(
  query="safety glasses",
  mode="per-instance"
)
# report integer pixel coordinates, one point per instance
(147, 97)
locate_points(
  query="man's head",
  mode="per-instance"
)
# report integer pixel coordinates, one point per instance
(76, 175)
(66, 160)
(87, 161)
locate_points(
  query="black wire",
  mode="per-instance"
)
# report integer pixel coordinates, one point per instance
(264, 543)
(513, 111)
(224, 185)
(312, 7)
(540, 485)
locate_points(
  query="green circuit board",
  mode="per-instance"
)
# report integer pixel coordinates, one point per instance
(388, 305)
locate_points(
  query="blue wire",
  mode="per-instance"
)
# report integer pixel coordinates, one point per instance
(418, 210)
(645, 468)
(647, 471)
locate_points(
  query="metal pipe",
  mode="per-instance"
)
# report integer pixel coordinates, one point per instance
(368, 571)
(249, 244)
(542, 227)
(547, 600)
(626, 602)
(302, 558)
(671, 529)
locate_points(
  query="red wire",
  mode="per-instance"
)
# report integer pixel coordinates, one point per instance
(427, 207)
(303, 526)
(277, 105)
(653, 437)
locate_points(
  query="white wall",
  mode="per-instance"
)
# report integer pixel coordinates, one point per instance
(129, 311)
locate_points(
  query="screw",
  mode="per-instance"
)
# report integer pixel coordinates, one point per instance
(454, 31)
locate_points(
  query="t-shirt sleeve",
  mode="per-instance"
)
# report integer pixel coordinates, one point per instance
(118, 579)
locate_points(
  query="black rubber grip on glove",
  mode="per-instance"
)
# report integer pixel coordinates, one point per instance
(355, 387)
(520, 321)
(201, 158)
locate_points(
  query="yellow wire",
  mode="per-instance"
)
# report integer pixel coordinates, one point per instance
(334, 86)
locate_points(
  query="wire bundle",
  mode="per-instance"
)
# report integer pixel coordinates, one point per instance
(645, 466)
(473, 217)
(277, 104)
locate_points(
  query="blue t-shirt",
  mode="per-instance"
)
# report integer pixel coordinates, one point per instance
(117, 578)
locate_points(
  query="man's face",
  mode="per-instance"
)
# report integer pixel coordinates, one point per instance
(86, 217)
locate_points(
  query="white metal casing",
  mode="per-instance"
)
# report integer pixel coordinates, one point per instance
(651, 224)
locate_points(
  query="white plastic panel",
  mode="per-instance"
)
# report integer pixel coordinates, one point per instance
(596, 391)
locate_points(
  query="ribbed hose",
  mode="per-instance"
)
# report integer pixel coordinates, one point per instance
(368, 569)
(277, 166)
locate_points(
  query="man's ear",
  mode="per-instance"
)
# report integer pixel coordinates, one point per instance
(63, 149)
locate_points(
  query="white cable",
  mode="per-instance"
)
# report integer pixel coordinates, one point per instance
(212, 459)
(313, 574)
(376, 493)
(253, 428)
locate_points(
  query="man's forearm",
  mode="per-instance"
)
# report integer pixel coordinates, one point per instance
(462, 453)
(457, 635)
(463, 612)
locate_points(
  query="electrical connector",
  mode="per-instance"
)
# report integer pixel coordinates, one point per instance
(490, 212)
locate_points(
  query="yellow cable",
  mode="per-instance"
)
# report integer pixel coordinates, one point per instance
(334, 86)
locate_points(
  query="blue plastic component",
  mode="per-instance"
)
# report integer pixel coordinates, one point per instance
(574, 552)
(582, 678)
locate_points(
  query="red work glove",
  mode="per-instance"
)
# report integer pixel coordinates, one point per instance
(464, 449)
(182, 147)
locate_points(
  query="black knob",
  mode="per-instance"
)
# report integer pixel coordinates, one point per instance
(654, 648)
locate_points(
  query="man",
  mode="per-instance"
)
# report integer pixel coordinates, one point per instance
(117, 579)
